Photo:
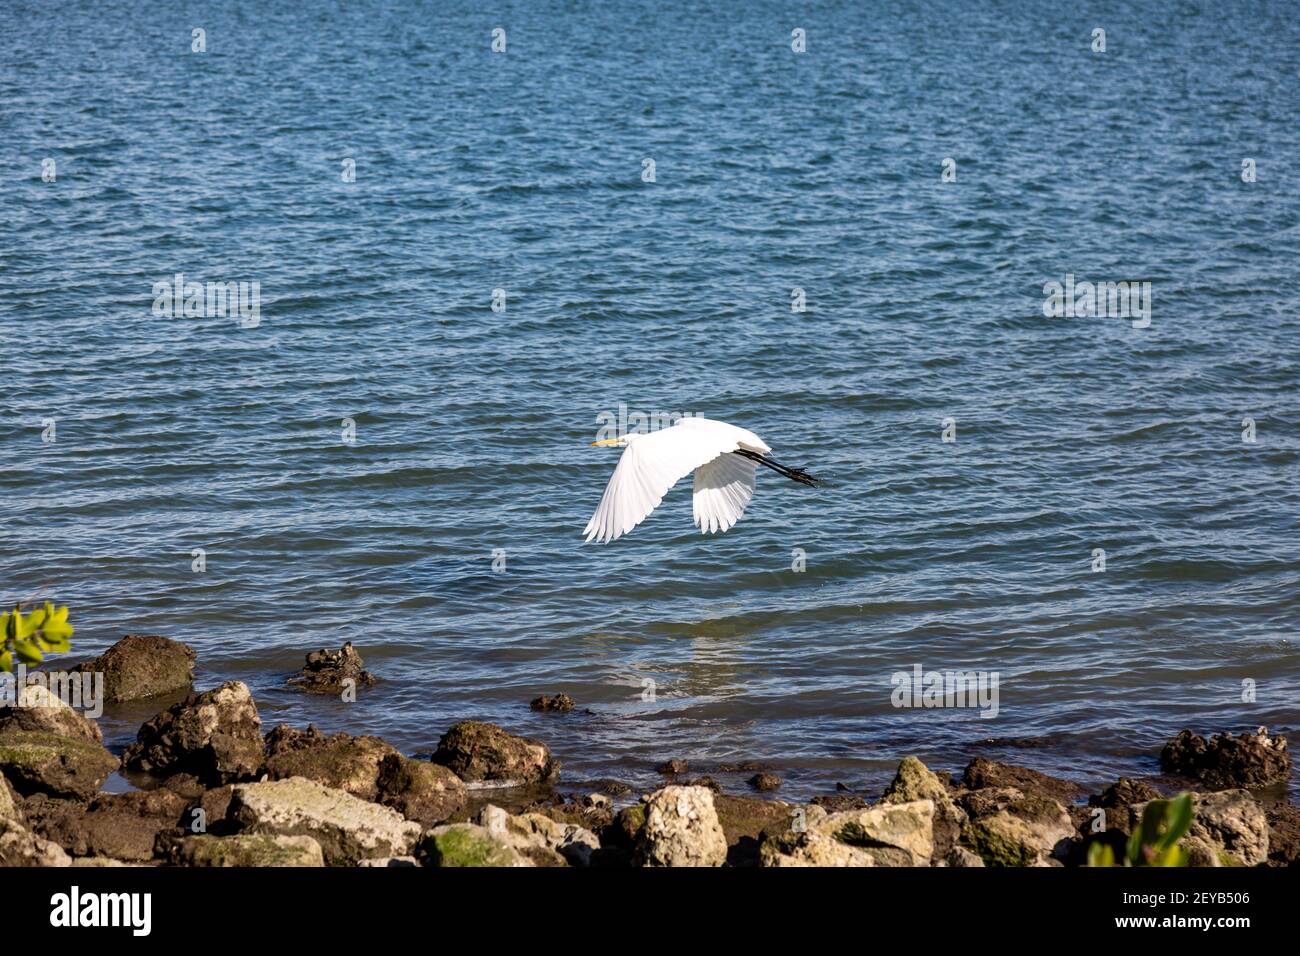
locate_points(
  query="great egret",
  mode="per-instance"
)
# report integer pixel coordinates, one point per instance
(723, 457)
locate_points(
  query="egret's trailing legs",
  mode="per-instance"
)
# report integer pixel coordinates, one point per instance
(795, 474)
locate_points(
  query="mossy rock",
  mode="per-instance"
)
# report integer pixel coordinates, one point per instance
(466, 845)
(425, 792)
(996, 848)
(40, 762)
(250, 849)
(140, 666)
(627, 826)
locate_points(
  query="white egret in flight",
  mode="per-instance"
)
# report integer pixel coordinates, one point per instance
(723, 457)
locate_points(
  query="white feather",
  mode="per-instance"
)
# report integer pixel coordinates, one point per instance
(653, 462)
(723, 488)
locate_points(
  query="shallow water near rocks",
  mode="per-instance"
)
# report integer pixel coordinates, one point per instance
(522, 171)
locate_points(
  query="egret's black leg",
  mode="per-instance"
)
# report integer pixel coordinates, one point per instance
(794, 474)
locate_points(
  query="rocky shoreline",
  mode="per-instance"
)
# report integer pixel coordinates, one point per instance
(222, 792)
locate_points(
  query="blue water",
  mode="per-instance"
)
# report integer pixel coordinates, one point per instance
(522, 171)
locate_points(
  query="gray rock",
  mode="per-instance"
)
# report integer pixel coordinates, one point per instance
(540, 838)
(347, 828)
(681, 829)
(20, 847)
(892, 834)
(1229, 828)
(959, 856)
(1009, 828)
(914, 781)
(1235, 823)
(39, 710)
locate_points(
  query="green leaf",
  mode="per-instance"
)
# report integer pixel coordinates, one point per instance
(54, 622)
(1178, 818)
(30, 637)
(28, 652)
(1099, 854)
(19, 627)
(1133, 852)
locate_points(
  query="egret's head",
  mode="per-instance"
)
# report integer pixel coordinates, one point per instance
(621, 442)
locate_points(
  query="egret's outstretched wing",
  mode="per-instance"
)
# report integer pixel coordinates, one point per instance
(723, 488)
(649, 466)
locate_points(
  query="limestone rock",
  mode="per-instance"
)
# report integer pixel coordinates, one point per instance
(681, 829)
(1009, 828)
(391, 862)
(347, 828)
(748, 821)
(1124, 792)
(1234, 822)
(915, 781)
(1283, 834)
(9, 806)
(20, 847)
(811, 848)
(892, 834)
(540, 838)
(37, 709)
(959, 856)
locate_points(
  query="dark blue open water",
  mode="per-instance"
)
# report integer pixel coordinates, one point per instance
(523, 171)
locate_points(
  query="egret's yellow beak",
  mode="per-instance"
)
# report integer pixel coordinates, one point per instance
(607, 441)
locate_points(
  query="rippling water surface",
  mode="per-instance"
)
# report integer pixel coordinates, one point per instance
(522, 171)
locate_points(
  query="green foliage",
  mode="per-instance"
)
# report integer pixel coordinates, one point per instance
(1154, 841)
(29, 637)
